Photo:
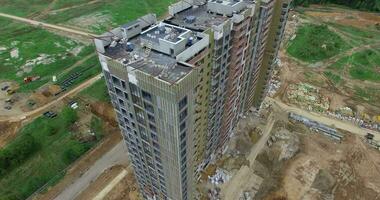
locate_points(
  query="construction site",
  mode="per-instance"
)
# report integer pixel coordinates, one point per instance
(315, 137)
(291, 157)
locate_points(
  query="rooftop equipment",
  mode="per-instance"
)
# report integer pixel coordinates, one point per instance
(190, 19)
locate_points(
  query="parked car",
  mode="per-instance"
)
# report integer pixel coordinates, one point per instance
(10, 100)
(5, 88)
(50, 114)
(8, 107)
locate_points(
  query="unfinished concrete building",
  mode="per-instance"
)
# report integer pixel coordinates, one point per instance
(179, 86)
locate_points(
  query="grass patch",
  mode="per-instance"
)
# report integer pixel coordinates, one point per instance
(333, 77)
(365, 65)
(57, 148)
(97, 91)
(23, 7)
(340, 64)
(68, 3)
(315, 43)
(112, 13)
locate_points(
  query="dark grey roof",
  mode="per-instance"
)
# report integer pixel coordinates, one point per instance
(131, 23)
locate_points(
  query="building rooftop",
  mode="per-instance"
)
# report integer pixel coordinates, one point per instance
(164, 32)
(154, 63)
(196, 18)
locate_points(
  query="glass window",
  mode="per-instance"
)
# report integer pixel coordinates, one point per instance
(152, 127)
(182, 126)
(118, 92)
(182, 103)
(183, 144)
(183, 115)
(125, 95)
(146, 95)
(123, 84)
(183, 135)
(115, 80)
(154, 136)
(149, 107)
(151, 118)
(121, 102)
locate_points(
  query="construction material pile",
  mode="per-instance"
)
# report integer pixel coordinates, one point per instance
(220, 177)
(308, 97)
(275, 82)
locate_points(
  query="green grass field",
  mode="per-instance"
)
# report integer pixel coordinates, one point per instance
(364, 65)
(98, 91)
(58, 148)
(315, 43)
(28, 42)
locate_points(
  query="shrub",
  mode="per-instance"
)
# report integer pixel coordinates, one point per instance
(17, 152)
(74, 151)
(69, 116)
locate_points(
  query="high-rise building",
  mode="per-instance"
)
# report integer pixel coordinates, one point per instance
(179, 85)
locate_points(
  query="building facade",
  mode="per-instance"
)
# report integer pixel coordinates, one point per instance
(179, 85)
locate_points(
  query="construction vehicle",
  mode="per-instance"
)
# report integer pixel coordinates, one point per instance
(10, 100)
(29, 79)
(10, 92)
(5, 88)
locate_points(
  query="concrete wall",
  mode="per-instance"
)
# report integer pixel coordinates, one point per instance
(194, 49)
(224, 8)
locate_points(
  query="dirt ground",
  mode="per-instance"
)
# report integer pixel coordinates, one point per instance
(352, 18)
(322, 169)
(8, 131)
(126, 189)
(19, 100)
(293, 71)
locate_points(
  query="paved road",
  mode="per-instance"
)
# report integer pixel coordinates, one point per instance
(117, 155)
(43, 108)
(347, 126)
(51, 26)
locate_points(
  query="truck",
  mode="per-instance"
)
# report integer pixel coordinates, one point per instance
(29, 79)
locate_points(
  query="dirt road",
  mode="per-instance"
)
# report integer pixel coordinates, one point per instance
(49, 26)
(261, 143)
(41, 109)
(117, 155)
(326, 120)
(245, 178)
(111, 185)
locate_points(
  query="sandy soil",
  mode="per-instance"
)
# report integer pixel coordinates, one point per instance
(127, 189)
(327, 170)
